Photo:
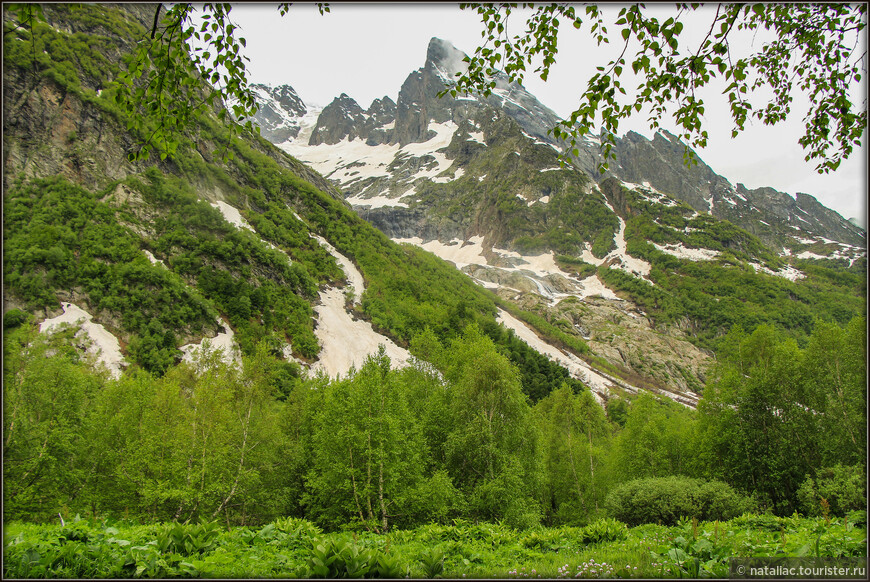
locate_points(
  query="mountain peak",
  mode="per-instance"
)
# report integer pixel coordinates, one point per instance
(443, 55)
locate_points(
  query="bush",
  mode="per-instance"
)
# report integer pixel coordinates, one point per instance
(843, 487)
(14, 318)
(718, 500)
(665, 500)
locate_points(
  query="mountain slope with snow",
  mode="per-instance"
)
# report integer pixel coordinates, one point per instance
(479, 182)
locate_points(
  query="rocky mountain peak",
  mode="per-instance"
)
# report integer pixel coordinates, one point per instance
(285, 96)
(446, 57)
(343, 118)
(345, 100)
(656, 163)
(338, 121)
(383, 109)
(775, 217)
(280, 111)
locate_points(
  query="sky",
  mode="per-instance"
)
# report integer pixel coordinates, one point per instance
(368, 50)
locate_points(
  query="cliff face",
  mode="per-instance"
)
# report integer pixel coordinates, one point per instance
(52, 127)
(344, 119)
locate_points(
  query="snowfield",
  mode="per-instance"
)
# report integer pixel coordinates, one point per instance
(346, 343)
(376, 201)
(351, 160)
(105, 346)
(460, 253)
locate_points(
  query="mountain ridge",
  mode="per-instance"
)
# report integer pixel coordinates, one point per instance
(657, 161)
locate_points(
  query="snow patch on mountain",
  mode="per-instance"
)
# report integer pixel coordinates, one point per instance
(375, 202)
(620, 258)
(232, 215)
(353, 275)
(224, 342)
(588, 257)
(307, 123)
(350, 160)
(576, 367)
(445, 179)
(809, 255)
(681, 252)
(346, 342)
(105, 346)
(458, 252)
(354, 157)
(154, 260)
(592, 286)
(535, 140)
(787, 272)
(477, 137)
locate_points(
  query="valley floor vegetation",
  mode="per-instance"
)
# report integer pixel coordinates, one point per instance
(445, 467)
(292, 547)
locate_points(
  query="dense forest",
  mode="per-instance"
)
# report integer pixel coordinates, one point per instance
(779, 428)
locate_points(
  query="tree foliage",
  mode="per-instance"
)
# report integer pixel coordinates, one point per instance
(774, 413)
(814, 48)
(575, 437)
(368, 450)
(386, 449)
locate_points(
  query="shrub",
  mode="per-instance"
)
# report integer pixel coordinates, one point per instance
(858, 518)
(842, 486)
(665, 500)
(765, 522)
(14, 318)
(718, 500)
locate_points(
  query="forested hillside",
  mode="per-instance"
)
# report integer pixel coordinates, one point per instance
(475, 439)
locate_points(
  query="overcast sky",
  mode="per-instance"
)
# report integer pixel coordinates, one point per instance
(367, 51)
